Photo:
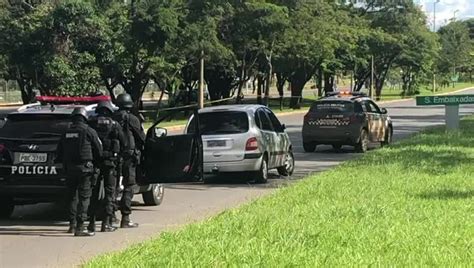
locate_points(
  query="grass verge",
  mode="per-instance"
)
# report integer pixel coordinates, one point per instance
(388, 94)
(410, 204)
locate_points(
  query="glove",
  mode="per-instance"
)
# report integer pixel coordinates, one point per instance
(95, 177)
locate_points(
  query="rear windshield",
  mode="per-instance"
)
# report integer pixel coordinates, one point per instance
(217, 123)
(332, 107)
(34, 126)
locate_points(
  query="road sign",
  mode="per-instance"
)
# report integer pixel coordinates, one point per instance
(445, 100)
(451, 103)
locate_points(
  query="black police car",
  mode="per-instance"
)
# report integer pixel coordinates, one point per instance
(345, 118)
(30, 173)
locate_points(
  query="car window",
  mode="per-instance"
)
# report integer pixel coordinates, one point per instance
(216, 123)
(367, 107)
(358, 108)
(373, 107)
(35, 125)
(263, 122)
(274, 120)
(332, 107)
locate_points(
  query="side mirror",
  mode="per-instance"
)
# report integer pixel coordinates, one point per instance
(160, 132)
(283, 127)
(384, 111)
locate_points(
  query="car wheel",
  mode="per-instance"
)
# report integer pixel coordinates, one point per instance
(6, 207)
(363, 144)
(262, 174)
(154, 197)
(289, 167)
(337, 147)
(388, 137)
(309, 147)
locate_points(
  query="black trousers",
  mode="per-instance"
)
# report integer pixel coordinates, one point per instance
(109, 178)
(79, 194)
(129, 170)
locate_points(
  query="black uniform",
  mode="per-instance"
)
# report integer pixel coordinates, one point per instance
(113, 142)
(135, 138)
(79, 150)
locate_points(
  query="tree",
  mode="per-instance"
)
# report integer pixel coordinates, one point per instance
(139, 37)
(308, 44)
(22, 44)
(256, 28)
(456, 48)
(392, 23)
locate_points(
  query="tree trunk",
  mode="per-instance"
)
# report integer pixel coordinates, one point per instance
(241, 82)
(297, 81)
(296, 92)
(280, 87)
(328, 83)
(259, 88)
(268, 79)
(26, 91)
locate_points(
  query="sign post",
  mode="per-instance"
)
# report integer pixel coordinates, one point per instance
(451, 103)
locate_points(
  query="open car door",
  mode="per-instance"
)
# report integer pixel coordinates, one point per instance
(173, 158)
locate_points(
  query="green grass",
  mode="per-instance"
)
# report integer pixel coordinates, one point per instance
(388, 94)
(410, 204)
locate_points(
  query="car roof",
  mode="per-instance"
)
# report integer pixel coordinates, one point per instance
(348, 98)
(63, 109)
(232, 108)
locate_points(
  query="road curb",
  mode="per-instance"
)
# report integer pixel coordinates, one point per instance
(10, 104)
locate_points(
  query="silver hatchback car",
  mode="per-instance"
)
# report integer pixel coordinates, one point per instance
(244, 138)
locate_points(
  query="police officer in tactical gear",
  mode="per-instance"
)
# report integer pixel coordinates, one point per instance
(113, 142)
(79, 149)
(135, 137)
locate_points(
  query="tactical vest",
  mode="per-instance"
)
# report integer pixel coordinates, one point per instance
(123, 118)
(77, 149)
(104, 127)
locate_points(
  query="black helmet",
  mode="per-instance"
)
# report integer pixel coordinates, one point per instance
(124, 101)
(104, 105)
(79, 111)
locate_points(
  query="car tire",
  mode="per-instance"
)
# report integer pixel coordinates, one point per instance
(289, 167)
(337, 147)
(154, 197)
(262, 174)
(309, 147)
(388, 137)
(363, 143)
(6, 207)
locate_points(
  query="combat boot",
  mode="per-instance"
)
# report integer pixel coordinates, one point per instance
(107, 226)
(114, 219)
(127, 223)
(81, 231)
(91, 226)
(72, 228)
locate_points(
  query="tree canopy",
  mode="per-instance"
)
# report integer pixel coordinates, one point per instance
(76, 47)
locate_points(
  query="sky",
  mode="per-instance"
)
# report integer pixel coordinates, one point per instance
(445, 10)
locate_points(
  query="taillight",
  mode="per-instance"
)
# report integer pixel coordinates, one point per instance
(251, 144)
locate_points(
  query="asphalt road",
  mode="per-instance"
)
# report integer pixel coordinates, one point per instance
(35, 236)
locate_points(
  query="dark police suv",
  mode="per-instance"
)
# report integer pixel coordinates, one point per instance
(30, 173)
(345, 118)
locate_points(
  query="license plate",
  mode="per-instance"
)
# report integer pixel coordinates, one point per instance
(32, 157)
(215, 143)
